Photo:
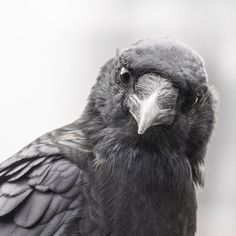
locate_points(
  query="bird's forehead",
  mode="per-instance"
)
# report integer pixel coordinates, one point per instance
(167, 57)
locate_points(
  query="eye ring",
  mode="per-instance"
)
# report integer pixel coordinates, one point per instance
(125, 76)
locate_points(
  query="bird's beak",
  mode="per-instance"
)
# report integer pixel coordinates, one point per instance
(153, 102)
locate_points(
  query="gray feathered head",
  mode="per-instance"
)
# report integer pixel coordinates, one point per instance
(156, 83)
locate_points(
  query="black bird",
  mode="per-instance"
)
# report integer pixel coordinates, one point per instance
(130, 164)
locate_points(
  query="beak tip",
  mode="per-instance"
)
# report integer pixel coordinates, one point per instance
(141, 131)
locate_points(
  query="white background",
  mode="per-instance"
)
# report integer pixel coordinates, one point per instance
(51, 52)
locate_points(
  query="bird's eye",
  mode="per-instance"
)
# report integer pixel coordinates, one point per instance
(125, 76)
(189, 102)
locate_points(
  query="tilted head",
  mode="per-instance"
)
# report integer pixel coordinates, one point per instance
(155, 91)
(156, 82)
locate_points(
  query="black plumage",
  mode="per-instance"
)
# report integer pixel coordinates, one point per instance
(130, 164)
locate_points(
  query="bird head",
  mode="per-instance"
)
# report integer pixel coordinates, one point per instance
(156, 83)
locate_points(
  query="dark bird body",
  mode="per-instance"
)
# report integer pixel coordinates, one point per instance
(130, 164)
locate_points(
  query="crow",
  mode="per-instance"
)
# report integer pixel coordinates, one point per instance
(130, 165)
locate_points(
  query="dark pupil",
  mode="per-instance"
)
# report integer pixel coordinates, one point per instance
(125, 77)
(189, 102)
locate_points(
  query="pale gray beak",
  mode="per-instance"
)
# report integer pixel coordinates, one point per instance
(153, 102)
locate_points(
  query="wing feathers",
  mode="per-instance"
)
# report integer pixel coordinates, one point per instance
(12, 189)
(40, 192)
(8, 203)
(40, 186)
(32, 209)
